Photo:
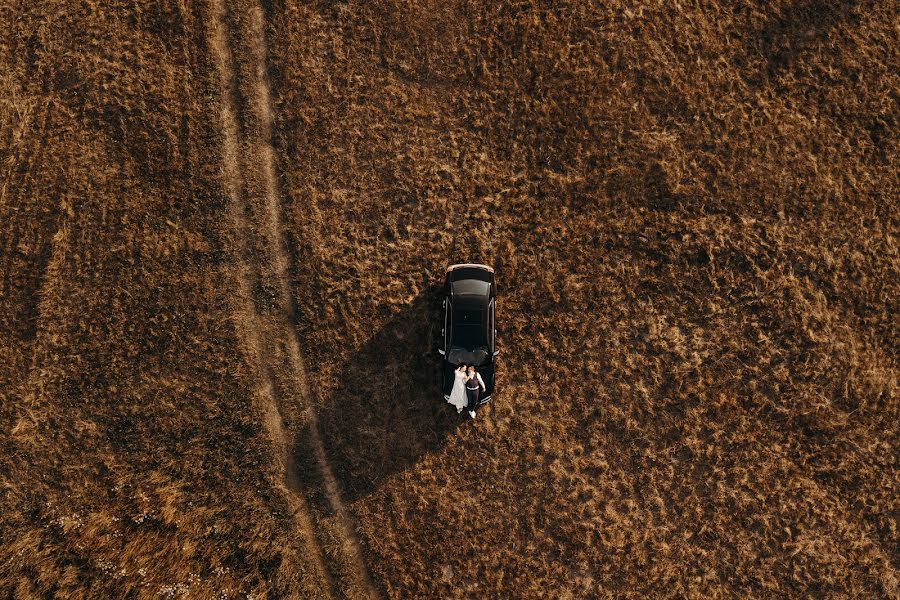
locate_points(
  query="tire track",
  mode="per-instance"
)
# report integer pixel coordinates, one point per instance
(263, 106)
(250, 165)
(25, 256)
(247, 321)
(11, 206)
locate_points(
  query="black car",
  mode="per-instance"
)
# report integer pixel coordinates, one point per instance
(469, 332)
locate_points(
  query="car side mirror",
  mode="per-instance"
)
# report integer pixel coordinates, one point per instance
(441, 352)
(496, 352)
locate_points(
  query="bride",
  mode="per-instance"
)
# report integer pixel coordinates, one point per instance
(458, 396)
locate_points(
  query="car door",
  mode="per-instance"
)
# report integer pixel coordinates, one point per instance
(448, 324)
(492, 323)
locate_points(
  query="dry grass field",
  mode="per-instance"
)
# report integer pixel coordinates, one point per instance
(223, 225)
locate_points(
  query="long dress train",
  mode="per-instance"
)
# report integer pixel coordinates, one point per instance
(458, 396)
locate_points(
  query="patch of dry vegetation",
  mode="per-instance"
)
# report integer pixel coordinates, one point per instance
(134, 462)
(692, 212)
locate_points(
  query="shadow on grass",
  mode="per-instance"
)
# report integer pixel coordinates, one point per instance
(388, 410)
(803, 24)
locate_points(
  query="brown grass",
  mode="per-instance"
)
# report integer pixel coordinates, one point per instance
(693, 216)
(692, 210)
(135, 461)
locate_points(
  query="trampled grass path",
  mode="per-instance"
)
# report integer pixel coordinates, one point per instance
(268, 336)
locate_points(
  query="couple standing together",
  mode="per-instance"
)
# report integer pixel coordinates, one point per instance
(467, 388)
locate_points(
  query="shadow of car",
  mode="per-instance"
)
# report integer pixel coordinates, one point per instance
(378, 415)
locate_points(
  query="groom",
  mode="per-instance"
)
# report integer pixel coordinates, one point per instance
(474, 387)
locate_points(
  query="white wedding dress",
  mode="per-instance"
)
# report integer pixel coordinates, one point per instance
(458, 396)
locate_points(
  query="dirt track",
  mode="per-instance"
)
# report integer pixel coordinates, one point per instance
(246, 319)
(270, 337)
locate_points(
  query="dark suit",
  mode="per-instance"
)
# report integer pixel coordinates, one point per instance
(473, 393)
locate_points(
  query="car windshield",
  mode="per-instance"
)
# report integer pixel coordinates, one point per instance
(468, 336)
(476, 357)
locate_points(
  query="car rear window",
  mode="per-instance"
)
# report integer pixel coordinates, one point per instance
(470, 273)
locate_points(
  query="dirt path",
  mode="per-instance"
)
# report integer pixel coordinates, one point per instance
(264, 306)
(246, 318)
